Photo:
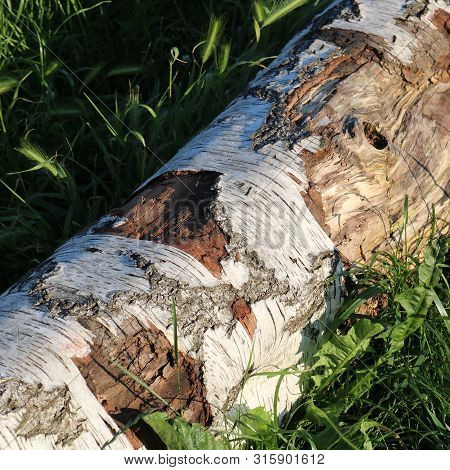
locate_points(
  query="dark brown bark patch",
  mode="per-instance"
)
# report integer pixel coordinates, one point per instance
(312, 196)
(176, 209)
(147, 354)
(243, 313)
(313, 201)
(441, 19)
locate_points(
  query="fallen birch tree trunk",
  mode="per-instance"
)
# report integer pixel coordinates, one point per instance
(240, 230)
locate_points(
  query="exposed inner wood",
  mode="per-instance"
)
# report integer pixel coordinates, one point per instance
(243, 313)
(146, 353)
(175, 210)
(384, 132)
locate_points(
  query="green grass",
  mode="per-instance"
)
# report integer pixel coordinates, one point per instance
(377, 381)
(382, 382)
(96, 95)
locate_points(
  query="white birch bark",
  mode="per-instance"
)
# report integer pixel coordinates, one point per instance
(307, 167)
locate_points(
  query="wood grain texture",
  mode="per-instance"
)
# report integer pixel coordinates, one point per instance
(241, 229)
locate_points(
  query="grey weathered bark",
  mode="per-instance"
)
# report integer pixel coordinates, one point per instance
(241, 228)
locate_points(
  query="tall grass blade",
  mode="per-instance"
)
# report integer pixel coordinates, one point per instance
(281, 9)
(215, 31)
(34, 153)
(7, 84)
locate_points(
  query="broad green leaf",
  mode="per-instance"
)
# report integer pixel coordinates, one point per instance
(167, 433)
(256, 421)
(365, 426)
(416, 301)
(399, 333)
(337, 354)
(177, 434)
(434, 255)
(257, 424)
(332, 433)
(197, 437)
(355, 389)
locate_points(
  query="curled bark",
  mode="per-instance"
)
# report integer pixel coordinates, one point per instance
(240, 229)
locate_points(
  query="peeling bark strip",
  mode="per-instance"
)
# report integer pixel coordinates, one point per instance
(241, 229)
(146, 353)
(175, 209)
